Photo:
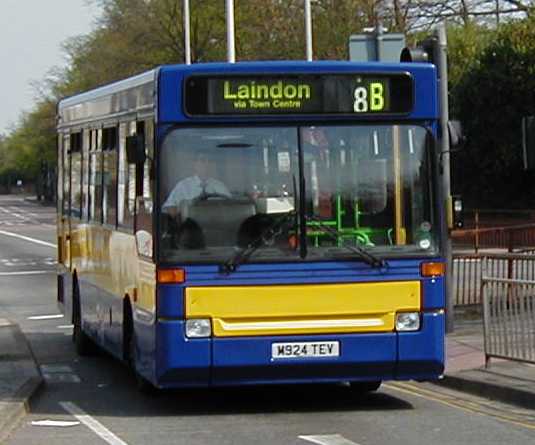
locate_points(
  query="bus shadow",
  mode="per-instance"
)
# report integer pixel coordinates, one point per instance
(274, 399)
(107, 387)
(122, 399)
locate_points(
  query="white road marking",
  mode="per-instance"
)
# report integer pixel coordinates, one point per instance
(58, 377)
(26, 272)
(45, 317)
(60, 423)
(27, 238)
(328, 439)
(55, 368)
(19, 262)
(66, 326)
(93, 424)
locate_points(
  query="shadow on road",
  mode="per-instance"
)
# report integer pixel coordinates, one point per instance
(108, 388)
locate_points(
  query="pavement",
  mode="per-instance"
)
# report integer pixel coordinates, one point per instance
(20, 378)
(506, 381)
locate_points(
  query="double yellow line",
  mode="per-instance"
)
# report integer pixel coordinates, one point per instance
(454, 402)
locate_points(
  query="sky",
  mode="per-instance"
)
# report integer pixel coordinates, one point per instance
(31, 34)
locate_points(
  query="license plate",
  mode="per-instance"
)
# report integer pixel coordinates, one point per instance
(305, 349)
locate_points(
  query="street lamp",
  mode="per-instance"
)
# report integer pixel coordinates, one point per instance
(231, 50)
(308, 30)
(187, 38)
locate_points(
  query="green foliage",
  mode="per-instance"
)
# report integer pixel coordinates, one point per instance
(490, 98)
(334, 22)
(34, 141)
(465, 46)
(490, 72)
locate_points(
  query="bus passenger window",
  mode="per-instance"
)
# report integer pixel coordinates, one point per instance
(109, 190)
(65, 184)
(145, 184)
(86, 142)
(76, 174)
(126, 181)
(95, 178)
(60, 175)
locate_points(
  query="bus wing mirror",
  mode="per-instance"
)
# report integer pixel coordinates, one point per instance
(135, 149)
(455, 133)
(372, 185)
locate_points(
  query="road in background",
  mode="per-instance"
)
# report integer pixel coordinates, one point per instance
(97, 394)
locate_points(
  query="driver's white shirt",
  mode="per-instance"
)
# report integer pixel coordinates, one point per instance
(191, 188)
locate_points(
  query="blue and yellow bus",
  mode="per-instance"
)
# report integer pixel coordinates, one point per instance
(256, 223)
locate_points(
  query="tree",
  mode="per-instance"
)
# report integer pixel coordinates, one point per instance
(133, 36)
(426, 13)
(490, 99)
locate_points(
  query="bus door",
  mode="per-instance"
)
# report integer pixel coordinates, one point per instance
(75, 213)
(72, 195)
(64, 180)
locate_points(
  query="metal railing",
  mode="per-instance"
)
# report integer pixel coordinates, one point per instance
(508, 290)
(510, 238)
(509, 318)
(466, 279)
(467, 267)
(468, 273)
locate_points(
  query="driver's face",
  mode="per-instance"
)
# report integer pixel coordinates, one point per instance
(202, 166)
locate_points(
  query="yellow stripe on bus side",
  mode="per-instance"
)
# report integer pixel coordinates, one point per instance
(302, 309)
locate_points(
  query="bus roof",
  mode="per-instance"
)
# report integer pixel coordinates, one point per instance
(298, 66)
(137, 93)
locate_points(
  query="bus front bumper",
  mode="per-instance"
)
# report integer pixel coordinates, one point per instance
(184, 362)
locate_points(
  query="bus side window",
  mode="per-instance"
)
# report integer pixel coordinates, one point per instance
(109, 190)
(76, 174)
(86, 140)
(66, 174)
(61, 165)
(144, 191)
(95, 177)
(126, 181)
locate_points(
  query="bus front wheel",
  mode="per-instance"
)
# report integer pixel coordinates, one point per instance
(82, 343)
(131, 352)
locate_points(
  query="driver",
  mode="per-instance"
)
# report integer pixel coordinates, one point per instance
(195, 186)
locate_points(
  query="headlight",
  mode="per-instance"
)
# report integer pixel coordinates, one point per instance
(408, 321)
(198, 328)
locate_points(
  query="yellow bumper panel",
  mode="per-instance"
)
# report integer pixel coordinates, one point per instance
(302, 309)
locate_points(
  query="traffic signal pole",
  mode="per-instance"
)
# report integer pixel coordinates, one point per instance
(442, 62)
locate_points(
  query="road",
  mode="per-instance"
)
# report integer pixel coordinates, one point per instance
(97, 398)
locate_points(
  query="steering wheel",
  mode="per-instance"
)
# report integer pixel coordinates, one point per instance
(206, 196)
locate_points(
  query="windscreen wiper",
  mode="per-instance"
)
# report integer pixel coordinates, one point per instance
(265, 239)
(366, 256)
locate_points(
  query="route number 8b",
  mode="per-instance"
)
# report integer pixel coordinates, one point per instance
(369, 98)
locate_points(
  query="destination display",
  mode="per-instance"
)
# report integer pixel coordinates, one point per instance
(360, 93)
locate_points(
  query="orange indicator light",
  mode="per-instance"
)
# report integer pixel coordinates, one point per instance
(171, 276)
(433, 269)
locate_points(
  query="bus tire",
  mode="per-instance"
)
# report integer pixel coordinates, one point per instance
(364, 387)
(82, 343)
(130, 350)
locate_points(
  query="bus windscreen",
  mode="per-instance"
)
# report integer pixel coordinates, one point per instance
(356, 94)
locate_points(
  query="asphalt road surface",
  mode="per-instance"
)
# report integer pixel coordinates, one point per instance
(93, 400)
